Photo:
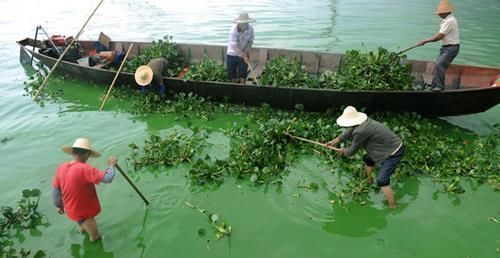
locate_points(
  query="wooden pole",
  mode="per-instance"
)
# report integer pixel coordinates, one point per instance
(34, 45)
(313, 142)
(64, 52)
(116, 77)
(132, 184)
(253, 74)
(406, 50)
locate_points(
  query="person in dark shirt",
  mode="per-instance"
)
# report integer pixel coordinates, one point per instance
(382, 145)
(153, 73)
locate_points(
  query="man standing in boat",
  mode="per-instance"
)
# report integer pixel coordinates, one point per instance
(382, 146)
(153, 72)
(449, 36)
(241, 38)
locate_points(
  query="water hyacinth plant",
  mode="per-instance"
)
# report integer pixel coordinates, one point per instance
(164, 48)
(207, 70)
(14, 221)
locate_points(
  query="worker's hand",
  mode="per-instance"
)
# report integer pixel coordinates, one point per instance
(60, 210)
(421, 43)
(341, 151)
(245, 57)
(112, 161)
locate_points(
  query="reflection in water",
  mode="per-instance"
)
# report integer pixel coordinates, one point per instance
(90, 249)
(329, 31)
(353, 220)
(140, 236)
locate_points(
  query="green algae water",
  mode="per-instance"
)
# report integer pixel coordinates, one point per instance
(268, 221)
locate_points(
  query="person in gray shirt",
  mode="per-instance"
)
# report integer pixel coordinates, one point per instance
(382, 146)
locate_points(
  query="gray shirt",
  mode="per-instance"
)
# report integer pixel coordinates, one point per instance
(378, 140)
(160, 68)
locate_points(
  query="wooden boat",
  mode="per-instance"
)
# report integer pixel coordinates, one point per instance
(469, 87)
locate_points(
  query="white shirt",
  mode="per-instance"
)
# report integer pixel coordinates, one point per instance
(449, 27)
(239, 41)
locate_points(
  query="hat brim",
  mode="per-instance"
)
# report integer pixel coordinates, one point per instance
(243, 21)
(349, 122)
(443, 11)
(93, 153)
(149, 78)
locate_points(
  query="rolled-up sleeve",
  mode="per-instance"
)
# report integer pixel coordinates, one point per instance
(109, 175)
(57, 197)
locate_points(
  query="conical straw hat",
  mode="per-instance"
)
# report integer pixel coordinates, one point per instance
(243, 18)
(144, 75)
(82, 143)
(351, 117)
(444, 7)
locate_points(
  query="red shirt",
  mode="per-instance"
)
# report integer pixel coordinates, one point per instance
(76, 181)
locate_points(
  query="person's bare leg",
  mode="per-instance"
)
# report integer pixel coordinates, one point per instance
(389, 195)
(369, 170)
(243, 80)
(81, 229)
(90, 225)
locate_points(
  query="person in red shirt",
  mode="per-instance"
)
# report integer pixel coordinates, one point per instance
(74, 186)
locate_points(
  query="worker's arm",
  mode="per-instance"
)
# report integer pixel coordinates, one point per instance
(436, 37)
(57, 199)
(246, 43)
(346, 134)
(358, 141)
(109, 175)
(95, 176)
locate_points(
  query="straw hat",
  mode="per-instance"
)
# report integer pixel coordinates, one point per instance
(243, 18)
(143, 75)
(444, 7)
(81, 143)
(351, 117)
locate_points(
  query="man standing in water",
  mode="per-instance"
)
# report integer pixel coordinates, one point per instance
(240, 41)
(153, 72)
(382, 145)
(449, 36)
(74, 186)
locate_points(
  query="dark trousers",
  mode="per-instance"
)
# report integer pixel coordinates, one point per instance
(236, 67)
(446, 56)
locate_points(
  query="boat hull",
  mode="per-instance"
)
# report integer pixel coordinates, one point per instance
(430, 104)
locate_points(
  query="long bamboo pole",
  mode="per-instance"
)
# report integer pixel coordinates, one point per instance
(116, 77)
(406, 50)
(253, 74)
(313, 142)
(132, 184)
(65, 51)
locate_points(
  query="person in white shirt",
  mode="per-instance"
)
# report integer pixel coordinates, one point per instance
(241, 38)
(448, 34)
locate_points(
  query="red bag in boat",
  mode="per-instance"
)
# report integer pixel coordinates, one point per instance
(58, 40)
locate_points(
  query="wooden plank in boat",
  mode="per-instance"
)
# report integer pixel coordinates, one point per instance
(291, 54)
(263, 56)
(184, 51)
(215, 53)
(472, 77)
(310, 62)
(329, 62)
(197, 53)
(272, 53)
